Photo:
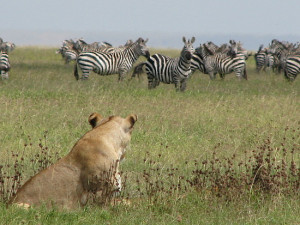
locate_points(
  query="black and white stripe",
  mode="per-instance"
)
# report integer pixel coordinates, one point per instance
(263, 59)
(4, 65)
(119, 62)
(68, 54)
(292, 67)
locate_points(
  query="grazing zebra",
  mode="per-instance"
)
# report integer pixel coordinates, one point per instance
(68, 53)
(224, 63)
(111, 63)
(4, 65)
(292, 67)
(69, 50)
(160, 68)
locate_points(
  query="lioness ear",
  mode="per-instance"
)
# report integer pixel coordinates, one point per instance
(131, 119)
(94, 119)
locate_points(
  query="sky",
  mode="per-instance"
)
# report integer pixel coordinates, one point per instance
(164, 22)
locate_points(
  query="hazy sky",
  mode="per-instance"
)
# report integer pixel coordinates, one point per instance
(22, 19)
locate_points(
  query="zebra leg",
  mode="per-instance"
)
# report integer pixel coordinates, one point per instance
(239, 74)
(245, 76)
(212, 75)
(288, 76)
(156, 82)
(177, 85)
(222, 76)
(151, 82)
(183, 85)
(122, 73)
(85, 75)
(4, 75)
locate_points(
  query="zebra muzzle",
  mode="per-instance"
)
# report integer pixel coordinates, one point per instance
(188, 55)
(147, 54)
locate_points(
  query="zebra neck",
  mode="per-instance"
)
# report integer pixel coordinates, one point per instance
(132, 55)
(184, 63)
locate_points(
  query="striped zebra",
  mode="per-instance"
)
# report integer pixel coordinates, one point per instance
(261, 59)
(69, 50)
(160, 68)
(292, 67)
(199, 55)
(197, 62)
(224, 63)
(68, 53)
(4, 65)
(6, 46)
(119, 62)
(281, 51)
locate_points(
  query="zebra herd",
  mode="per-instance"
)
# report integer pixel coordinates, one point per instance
(5, 48)
(208, 58)
(280, 56)
(104, 59)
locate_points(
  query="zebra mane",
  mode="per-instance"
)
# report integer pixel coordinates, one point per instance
(260, 47)
(224, 48)
(107, 44)
(207, 50)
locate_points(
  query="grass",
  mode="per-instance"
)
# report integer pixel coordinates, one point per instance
(43, 107)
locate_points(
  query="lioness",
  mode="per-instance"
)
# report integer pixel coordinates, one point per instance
(69, 182)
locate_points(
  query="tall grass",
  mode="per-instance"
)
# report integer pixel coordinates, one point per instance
(189, 152)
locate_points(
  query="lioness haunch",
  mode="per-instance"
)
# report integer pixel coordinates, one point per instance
(70, 181)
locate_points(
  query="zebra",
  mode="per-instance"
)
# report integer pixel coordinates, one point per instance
(69, 50)
(4, 65)
(197, 61)
(281, 51)
(6, 46)
(292, 67)
(263, 59)
(160, 68)
(224, 63)
(198, 56)
(111, 63)
(68, 53)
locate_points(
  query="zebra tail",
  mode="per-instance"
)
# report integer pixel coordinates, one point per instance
(76, 75)
(138, 70)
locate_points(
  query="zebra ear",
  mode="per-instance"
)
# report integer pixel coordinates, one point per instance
(193, 40)
(146, 40)
(183, 39)
(139, 40)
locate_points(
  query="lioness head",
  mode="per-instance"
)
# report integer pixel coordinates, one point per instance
(95, 119)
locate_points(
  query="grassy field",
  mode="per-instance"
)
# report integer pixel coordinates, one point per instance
(43, 107)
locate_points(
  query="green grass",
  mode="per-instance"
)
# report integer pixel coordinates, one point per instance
(226, 116)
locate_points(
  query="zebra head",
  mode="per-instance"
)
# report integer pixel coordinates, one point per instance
(141, 47)
(188, 49)
(233, 48)
(7, 46)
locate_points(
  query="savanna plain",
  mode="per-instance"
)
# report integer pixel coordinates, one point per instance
(222, 152)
